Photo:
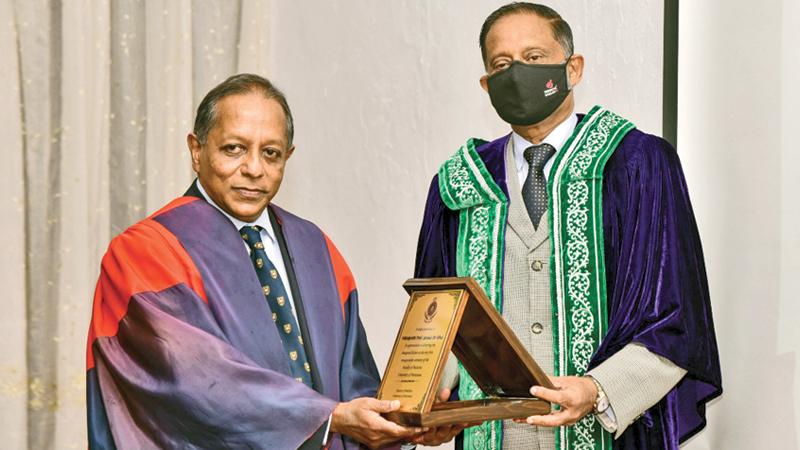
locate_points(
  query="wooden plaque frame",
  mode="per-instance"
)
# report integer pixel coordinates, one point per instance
(470, 327)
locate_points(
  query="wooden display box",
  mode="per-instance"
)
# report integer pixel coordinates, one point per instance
(454, 314)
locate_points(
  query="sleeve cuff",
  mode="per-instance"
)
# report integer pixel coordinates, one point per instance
(634, 379)
(607, 419)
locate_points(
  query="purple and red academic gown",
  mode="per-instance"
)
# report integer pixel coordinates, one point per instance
(657, 287)
(182, 349)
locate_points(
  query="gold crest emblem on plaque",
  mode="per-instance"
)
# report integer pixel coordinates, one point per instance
(431, 311)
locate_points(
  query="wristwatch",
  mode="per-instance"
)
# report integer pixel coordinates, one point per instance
(601, 401)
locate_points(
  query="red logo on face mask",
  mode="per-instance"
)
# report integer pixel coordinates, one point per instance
(549, 84)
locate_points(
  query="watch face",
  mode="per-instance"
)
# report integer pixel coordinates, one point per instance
(602, 403)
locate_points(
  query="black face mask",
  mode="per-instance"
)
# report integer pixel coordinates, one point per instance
(526, 94)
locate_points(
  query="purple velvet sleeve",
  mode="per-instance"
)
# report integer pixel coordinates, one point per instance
(436, 256)
(436, 248)
(657, 287)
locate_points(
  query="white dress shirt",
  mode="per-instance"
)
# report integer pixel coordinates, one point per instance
(271, 246)
(557, 138)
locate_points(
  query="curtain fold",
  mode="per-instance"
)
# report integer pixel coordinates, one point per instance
(39, 27)
(85, 197)
(128, 119)
(98, 96)
(13, 367)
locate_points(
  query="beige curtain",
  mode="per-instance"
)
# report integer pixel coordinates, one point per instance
(97, 98)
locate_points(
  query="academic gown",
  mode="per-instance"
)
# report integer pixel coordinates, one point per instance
(656, 277)
(183, 351)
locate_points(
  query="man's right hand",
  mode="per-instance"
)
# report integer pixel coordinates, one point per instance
(361, 420)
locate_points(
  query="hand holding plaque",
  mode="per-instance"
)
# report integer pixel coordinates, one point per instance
(453, 314)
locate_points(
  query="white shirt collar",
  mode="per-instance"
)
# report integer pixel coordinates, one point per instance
(557, 138)
(262, 220)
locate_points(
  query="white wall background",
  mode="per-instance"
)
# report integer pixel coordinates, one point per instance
(384, 92)
(738, 115)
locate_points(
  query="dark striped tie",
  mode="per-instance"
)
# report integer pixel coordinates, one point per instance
(275, 292)
(534, 191)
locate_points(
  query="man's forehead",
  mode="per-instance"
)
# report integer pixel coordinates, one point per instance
(251, 100)
(240, 115)
(252, 106)
(519, 32)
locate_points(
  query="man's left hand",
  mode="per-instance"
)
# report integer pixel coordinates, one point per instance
(576, 395)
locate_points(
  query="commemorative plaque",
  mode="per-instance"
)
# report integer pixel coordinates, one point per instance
(453, 314)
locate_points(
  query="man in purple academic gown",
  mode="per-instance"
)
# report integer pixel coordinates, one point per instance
(654, 366)
(222, 321)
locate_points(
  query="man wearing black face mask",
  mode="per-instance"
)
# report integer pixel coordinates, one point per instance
(580, 230)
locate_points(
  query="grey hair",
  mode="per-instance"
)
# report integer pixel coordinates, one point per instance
(242, 83)
(560, 28)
